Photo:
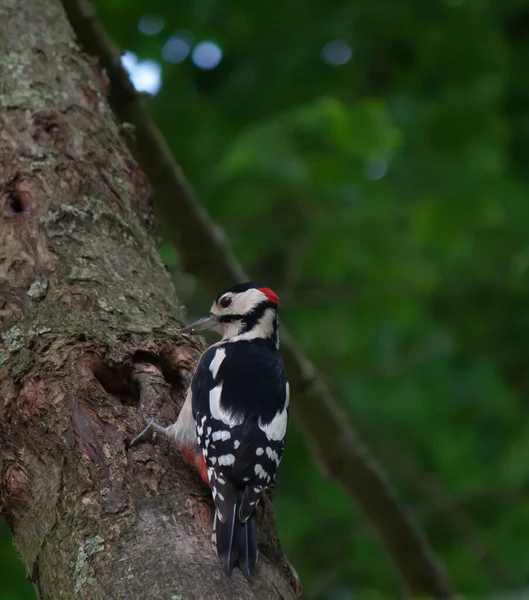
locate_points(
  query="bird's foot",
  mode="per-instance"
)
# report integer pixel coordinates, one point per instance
(151, 429)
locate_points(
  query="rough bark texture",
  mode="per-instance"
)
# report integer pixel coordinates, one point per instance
(83, 297)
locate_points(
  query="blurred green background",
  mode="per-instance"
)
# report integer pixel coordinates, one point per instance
(368, 160)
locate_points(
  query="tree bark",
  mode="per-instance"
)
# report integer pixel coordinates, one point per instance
(85, 304)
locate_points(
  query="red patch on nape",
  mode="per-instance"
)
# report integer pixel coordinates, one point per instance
(272, 296)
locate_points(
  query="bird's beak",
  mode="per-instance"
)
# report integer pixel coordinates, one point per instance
(207, 322)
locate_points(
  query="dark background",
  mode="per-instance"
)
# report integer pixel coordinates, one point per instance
(368, 161)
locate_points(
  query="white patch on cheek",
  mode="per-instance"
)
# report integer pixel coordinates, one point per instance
(265, 325)
(245, 302)
(231, 329)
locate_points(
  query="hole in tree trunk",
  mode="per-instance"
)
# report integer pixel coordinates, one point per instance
(171, 374)
(15, 205)
(116, 382)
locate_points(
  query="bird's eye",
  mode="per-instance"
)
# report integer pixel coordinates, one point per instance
(225, 301)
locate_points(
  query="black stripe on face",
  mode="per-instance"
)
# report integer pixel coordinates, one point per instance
(230, 318)
(251, 319)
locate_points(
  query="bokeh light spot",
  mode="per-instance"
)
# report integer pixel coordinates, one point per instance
(151, 24)
(175, 49)
(376, 168)
(336, 53)
(206, 55)
(145, 75)
(129, 60)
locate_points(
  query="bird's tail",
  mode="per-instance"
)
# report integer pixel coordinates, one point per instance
(236, 540)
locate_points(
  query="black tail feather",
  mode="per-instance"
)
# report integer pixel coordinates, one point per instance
(248, 548)
(237, 541)
(228, 540)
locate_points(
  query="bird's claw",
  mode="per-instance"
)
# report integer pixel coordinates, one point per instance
(152, 429)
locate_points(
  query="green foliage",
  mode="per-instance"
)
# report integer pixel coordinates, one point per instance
(13, 582)
(385, 200)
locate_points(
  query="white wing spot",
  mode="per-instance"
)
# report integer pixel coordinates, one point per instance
(219, 412)
(256, 489)
(220, 496)
(221, 435)
(260, 471)
(227, 459)
(276, 429)
(213, 459)
(236, 444)
(209, 430)
(259, 451)
(272, 454)
(220, 479)
(214, 365)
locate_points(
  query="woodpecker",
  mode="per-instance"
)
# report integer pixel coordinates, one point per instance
(233, 423)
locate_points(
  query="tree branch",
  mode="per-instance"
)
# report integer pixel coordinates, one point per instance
(334, 443)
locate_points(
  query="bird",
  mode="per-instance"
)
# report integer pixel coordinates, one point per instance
(233, 423)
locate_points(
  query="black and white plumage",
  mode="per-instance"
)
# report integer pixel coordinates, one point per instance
(234, 421)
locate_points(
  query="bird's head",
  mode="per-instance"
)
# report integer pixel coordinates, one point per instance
(244, 312)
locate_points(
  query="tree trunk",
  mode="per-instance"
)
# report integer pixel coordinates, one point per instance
(84, 300)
